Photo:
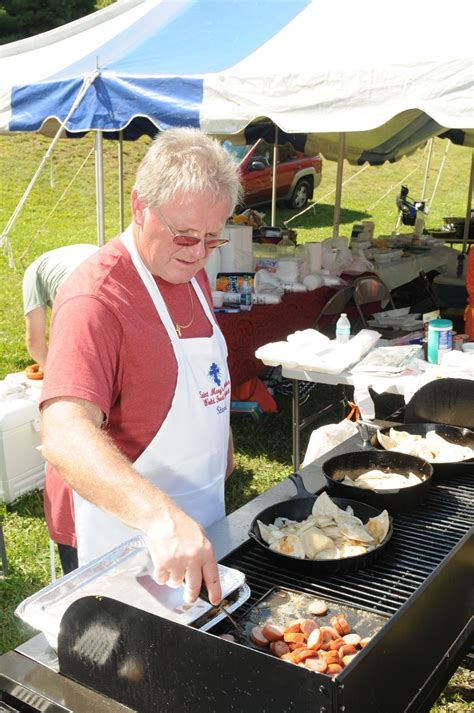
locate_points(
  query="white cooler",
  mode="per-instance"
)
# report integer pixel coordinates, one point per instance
(21, 464)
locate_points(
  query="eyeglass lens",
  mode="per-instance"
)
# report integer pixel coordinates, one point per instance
(189, 241)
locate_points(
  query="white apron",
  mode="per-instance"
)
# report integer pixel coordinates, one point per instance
(187, 458)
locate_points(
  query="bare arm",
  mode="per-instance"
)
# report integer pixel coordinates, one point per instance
(35, 335)
(100, 473)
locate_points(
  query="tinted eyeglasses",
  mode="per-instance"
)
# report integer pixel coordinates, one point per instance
(189, 241)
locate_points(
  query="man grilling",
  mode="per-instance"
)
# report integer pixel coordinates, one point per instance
(135, 404)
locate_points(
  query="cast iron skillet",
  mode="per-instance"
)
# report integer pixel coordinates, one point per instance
(395, 501)
(454, 434)
(299, 508)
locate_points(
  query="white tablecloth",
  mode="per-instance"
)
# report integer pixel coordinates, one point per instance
(406, 269)
(455, 364)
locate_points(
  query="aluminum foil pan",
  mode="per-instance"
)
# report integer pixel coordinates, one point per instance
(125, 574)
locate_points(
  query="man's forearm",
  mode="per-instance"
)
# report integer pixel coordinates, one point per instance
(38, 353)
(93, 466)
(35, 335)
(88, 460)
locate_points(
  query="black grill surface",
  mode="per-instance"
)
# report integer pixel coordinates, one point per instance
(422, 539)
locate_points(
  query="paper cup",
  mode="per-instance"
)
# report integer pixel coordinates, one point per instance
(312, 282)
(217, 298)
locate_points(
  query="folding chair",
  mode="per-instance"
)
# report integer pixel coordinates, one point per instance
(326, 320)
(368, 290)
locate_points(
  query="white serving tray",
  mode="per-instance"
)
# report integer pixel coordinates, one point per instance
(125, 574)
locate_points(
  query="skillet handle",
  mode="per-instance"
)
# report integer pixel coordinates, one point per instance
(298, 482)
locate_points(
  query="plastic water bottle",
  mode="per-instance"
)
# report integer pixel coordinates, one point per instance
(343, 329)
(246, 295)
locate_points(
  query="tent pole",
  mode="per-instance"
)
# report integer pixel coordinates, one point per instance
(99, 187)
(340, 170)
(427, 168)
(467, 222)
(274, 176)
(120, 172)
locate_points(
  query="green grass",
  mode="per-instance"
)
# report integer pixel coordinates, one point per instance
(44, 223)
(263, 449)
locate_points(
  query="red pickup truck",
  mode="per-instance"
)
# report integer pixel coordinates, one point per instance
(297, 175)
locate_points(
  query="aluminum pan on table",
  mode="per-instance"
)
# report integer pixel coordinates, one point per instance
(125, 574)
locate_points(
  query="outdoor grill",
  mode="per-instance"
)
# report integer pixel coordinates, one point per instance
(421, 587)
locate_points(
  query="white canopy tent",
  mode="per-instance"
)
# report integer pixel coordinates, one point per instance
(339, 78)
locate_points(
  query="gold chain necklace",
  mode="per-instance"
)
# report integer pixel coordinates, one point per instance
(179, 327)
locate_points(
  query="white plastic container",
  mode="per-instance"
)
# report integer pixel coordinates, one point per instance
(343, 329)
(21, 464)
(440, 339)
(314, 253)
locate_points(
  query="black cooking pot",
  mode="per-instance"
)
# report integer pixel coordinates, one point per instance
(395, 501)
(453, 434)
(299, 508)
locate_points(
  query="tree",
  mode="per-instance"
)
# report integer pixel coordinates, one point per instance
(24, 18)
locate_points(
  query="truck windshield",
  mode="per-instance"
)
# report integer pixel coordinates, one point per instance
(237, 152)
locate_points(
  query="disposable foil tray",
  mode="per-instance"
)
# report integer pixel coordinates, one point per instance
(125, 574)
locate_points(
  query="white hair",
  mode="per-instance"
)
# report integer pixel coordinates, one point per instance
(184, 160)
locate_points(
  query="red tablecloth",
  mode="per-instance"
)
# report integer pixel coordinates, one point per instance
(245, 332)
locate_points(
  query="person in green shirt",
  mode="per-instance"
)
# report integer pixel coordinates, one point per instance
(41, 282)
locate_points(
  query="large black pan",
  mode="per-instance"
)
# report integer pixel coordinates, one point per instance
(453, 434)
(395, 501)
(299, 508)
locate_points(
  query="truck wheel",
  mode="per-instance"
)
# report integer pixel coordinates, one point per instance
(300, 195)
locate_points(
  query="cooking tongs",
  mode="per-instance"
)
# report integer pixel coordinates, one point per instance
(205, 597)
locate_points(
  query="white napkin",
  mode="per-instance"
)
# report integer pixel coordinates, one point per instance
(459, 363)
(10, 388)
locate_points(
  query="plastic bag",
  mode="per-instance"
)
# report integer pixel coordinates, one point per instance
(335, 255)
(359, 264)
(326, 438)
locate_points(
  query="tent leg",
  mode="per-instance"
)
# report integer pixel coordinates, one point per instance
(120, 172)
(274, 176)
(467, 222)
(99, 188)
(340, 170)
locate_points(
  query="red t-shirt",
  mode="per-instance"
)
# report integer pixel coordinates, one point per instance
(108, 346)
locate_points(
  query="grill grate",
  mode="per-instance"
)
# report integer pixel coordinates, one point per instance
(421, 540)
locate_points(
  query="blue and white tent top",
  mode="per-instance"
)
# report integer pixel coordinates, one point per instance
(389, 77)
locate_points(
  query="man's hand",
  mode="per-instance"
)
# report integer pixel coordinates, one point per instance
(181, 553)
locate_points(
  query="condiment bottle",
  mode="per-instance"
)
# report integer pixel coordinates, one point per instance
(246, 294)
